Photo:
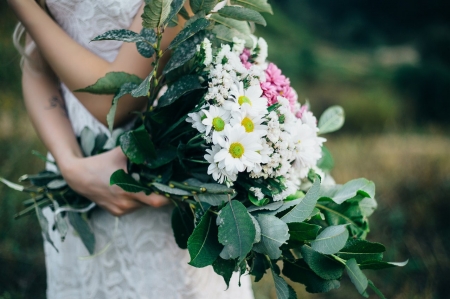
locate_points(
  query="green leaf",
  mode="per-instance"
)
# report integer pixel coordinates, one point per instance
(189, 31)
(224, 268)
(182, 225)
(111, 83)
(236, 231)
(175, 8)
(301, 273)
(203, 245)
(242, 14)
(145, 47)
(302, 231)
(155, 13)
(354, 187)
(84, 231)
(127, 183)
(178, 89)
(345, 213)
(60, 223)
(170, 190)
(43, 222)
(184, 13)
(307, 204)
(326, 162)
(137, 146)
(240, 26)
(362, 250)
(124, 89)
(379, 265)
(284, 291)
(12, 185)
(331, 120)
(258, 5)
(225, 34)
(259, 265)
(324, 266)
(274, 233)
(368, 206)
(87, 141)
(143, 89)
(331, 239)
(270, 207)
(376, 290)
(213, 199)
(122, 35)
(356, 276)
(202, 5)
(163, 157)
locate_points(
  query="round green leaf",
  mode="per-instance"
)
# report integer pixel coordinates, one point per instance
(331, 239)
(331, 120)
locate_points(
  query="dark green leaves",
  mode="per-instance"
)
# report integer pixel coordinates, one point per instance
(236, 231)
(137, 146)
(189, 31)
(182, 225)
(120, 35)
(145, 47)
(354, 187)
(258, 5)
(302, 231)
(242, 14)
(324, 266)
(362, 250)
(240, 26)
(178, 89)
(124, 89)
(202, 5)
(155, 13)
(127, 183)
(203, 246)
(274, 233)
(284, 291)
(303, 210)
(224, 268)
(356, 276)
(84, 230)
(331, 239)
(111, 83)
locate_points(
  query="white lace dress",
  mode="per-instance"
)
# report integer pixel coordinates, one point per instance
(143, 260)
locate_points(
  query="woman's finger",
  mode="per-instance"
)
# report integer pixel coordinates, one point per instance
(154, 200)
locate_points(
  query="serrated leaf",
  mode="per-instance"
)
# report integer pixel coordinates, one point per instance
(274, 233)
(87, 141)
(124, 89)
(284, 291)
(145, 47)
(379, 265)
(307, 204)
(175, 7)
(324, 266)
(84, 231)
(258, 5)
(203, 246)
(111, 83)
(122, 35)
(331, 239)
(240, 26)
(127, 183)
(202, 5)
(169, 190)
(143, 89)
(356, 276)
(236, 231)
(155, 13)
(224, 268)
(137, 146)
(178, 89)
(331, 120)
(242, 14)
(182, 225)
(189, 31)
(301, 273)
(362, 250)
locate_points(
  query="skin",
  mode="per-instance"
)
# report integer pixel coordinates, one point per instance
(58, 57)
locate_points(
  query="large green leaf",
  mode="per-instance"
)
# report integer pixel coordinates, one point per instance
(362, 250)
(284, 291)
(175, 8)
(301, 273)
(111, 83)
(202, 5)
(224, 268)
(274, 233)
(258, 5)
(225, 34)
(259, 265)
(356, 276)
(84, 231)
(122, 35)
(300, 232)
(212, 199)
(189, 31)
(368, 206)
(163, 157)
(155, 13)
(270, 207)
(345, 213)
(240, 26)
(236, 231)
(331, 120)
(379, 265)
(331, 239)
(145, 47)
(203, 246)
(354, 187)
(326, 162)
(178, 89)
(124, 89)
(127, 183)
(303, 210)
(137, 146)
(242, 14)
(324, 266)
(182, 225)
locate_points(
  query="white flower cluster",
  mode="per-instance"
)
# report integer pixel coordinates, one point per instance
(245, 135)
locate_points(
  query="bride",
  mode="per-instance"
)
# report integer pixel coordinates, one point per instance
(143, 260)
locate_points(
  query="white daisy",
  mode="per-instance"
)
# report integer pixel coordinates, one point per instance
(196, 119)
(251, 96)
(253, 123)
(215, 118)
(219, 175)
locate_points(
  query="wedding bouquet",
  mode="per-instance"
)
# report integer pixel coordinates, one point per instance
(226, 139)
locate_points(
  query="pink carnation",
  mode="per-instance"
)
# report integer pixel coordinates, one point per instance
(245, 56)
(278, 85)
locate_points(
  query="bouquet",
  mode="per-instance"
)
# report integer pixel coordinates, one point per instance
(226, 139)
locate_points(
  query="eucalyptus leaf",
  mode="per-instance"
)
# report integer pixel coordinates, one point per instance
(259, 265)
(301, 232)
(111, 83)
(170, 190)
(87, 141)
(225, 34)
(145, 47)
(324, 266)
(12, 185)
(182, 225)
(331, 239)
(224, 268)
(284, 291)
(258, 5)
(43, 222)
(122, 35)
(368, 206)
(302, 211)
(356, 276)
(236, 231)
(124, 89)
(163, 157)
(376, 290)
(202, 5)
(178, 89)
(331, 120)
(57, 184)
(274, 233)
(137, 146)
(213, 199)
(155, 13)
(354, 187)
(189, 31)
(379, 265)
(258, 230)
(326, 162)
(84, 231)
(362, 250)
(242, 14)
(203, 246)
(270, 207)
(128, 183)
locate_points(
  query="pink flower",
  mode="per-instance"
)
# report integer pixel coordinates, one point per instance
(278, 85)
(245, 56)
(299, 113)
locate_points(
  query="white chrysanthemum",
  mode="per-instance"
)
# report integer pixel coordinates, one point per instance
(253, 123)
(238, 45)
(195, 119)
(239, 150)
(309, 119)
(216, 119)
(257, 192)
(207, 51)
(251, 96)
(219, 175)
(262, 49)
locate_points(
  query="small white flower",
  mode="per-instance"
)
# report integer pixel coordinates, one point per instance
(196, 119)
(251, 96)
(262, 50)
(215, 118)
(238, 45)
(253, 123)
(219, 175)
(207, 51)
(258, 193)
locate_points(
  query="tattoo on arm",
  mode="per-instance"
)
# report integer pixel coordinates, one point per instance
(56, 102)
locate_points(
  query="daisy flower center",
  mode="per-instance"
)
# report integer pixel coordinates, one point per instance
(237, 150)
(244, 99)
(218, 124)
(248, 124)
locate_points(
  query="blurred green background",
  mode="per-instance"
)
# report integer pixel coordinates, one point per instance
(386, 62)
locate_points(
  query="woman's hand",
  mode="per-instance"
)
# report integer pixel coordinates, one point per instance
(90, 178)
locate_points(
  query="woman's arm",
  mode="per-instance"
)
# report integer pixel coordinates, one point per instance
(77, 67)
(87, 176)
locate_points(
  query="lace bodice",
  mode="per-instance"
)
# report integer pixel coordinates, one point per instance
(138, 258)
